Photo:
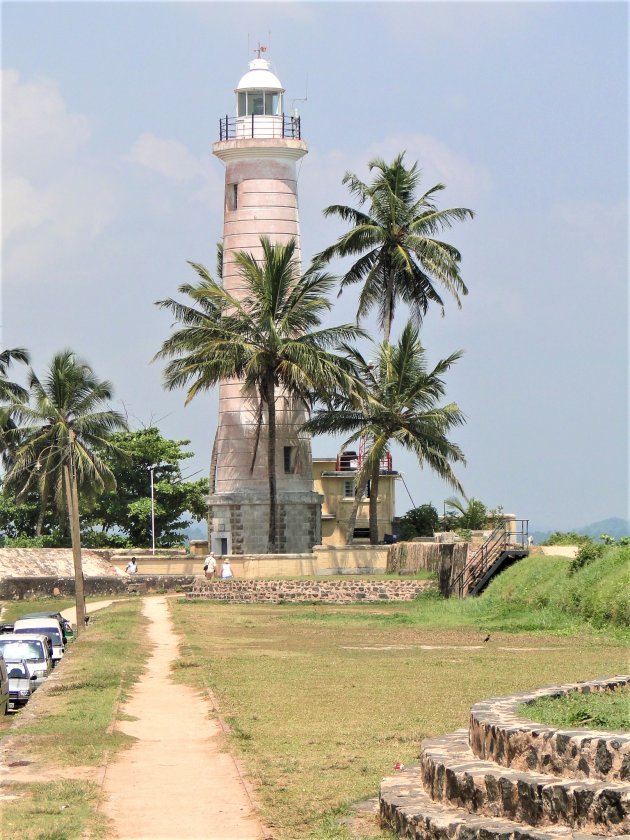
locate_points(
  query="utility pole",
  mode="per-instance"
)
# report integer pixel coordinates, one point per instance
(72, 498)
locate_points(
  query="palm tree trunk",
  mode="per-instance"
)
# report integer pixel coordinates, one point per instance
(72, 498)
(43, 501)
(374, 504)
(271, 464)
(39, 525)
(389, 304)
(358, 496)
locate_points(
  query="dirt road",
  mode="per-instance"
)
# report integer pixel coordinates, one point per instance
(174, 782)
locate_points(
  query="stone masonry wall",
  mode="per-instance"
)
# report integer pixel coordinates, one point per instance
(24, 588)
(499, 733)
(329, 591)
(299, 521)
(508, 778)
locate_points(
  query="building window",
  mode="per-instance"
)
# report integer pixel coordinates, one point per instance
(348, 489)
(231, 197)
(289, 459)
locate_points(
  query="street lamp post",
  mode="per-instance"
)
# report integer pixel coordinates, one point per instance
(152, 510)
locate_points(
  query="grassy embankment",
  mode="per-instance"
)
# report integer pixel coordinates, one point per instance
(322, 699)
(72, 728)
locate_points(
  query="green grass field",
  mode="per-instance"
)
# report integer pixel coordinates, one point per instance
(323, 700)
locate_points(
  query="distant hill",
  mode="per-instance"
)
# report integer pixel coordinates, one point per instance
(615, 527)
(197, 531)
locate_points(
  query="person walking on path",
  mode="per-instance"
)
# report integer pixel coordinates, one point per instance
(226, 570)
(210, 566)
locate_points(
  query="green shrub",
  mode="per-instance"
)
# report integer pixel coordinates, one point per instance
(101, 539)
(45, 541)
(566, 538)
(586, 554)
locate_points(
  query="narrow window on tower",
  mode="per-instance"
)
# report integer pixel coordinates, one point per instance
(289, 459)
(231, 197)
(348, 489)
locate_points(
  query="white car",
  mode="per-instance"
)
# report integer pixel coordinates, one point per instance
(47, 626)
(4, 687)
(21, 684)
(33, 649)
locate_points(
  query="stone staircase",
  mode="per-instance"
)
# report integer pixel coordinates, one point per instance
(506, 778)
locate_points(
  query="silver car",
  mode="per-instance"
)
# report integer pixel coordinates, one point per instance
(21, 683)
(4, 687)
(33, 649)
(46, 626)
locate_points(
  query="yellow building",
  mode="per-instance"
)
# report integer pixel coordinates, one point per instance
(334, 479)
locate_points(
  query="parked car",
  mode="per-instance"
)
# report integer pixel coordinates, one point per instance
(33, 649)
(21, 683)
(66, 628)
(47, 626)
(4, 688)
(6, 628)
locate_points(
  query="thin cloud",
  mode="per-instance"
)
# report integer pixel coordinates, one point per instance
(169, 158)
(55, 199)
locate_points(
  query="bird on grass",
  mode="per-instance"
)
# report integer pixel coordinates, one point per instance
(487, 639)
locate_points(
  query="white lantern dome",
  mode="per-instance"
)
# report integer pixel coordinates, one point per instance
(259, 92)
(259, 77)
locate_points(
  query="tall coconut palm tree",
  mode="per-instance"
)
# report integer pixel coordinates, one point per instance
(271, 340)
(58, 436)
(9, 393)
(10, 390)
(399, 405)
(399, 256)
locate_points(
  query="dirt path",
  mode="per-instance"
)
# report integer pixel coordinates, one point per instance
(174, 782)
(91, 607)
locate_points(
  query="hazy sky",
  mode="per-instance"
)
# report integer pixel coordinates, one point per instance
(109, 186)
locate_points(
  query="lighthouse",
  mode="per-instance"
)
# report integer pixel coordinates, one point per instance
(260, 146)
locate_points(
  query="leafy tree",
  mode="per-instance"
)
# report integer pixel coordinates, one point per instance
(125, 514)
(420, 521)
(271, 340)
(59, 436)
(399, 404)
(399, 258)
(17, 520)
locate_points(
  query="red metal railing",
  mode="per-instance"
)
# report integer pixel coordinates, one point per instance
(350, 460)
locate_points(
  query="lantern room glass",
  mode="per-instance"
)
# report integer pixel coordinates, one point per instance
(259, 102)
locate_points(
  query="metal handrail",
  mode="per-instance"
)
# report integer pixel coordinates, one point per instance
(260, 127)
(499, 540)
(354, 462)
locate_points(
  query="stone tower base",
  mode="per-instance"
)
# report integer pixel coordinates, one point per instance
(238, 523)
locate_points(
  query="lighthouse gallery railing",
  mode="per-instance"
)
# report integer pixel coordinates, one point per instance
(260, 126)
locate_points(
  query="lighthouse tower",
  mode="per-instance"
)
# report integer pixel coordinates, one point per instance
(260, 147)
